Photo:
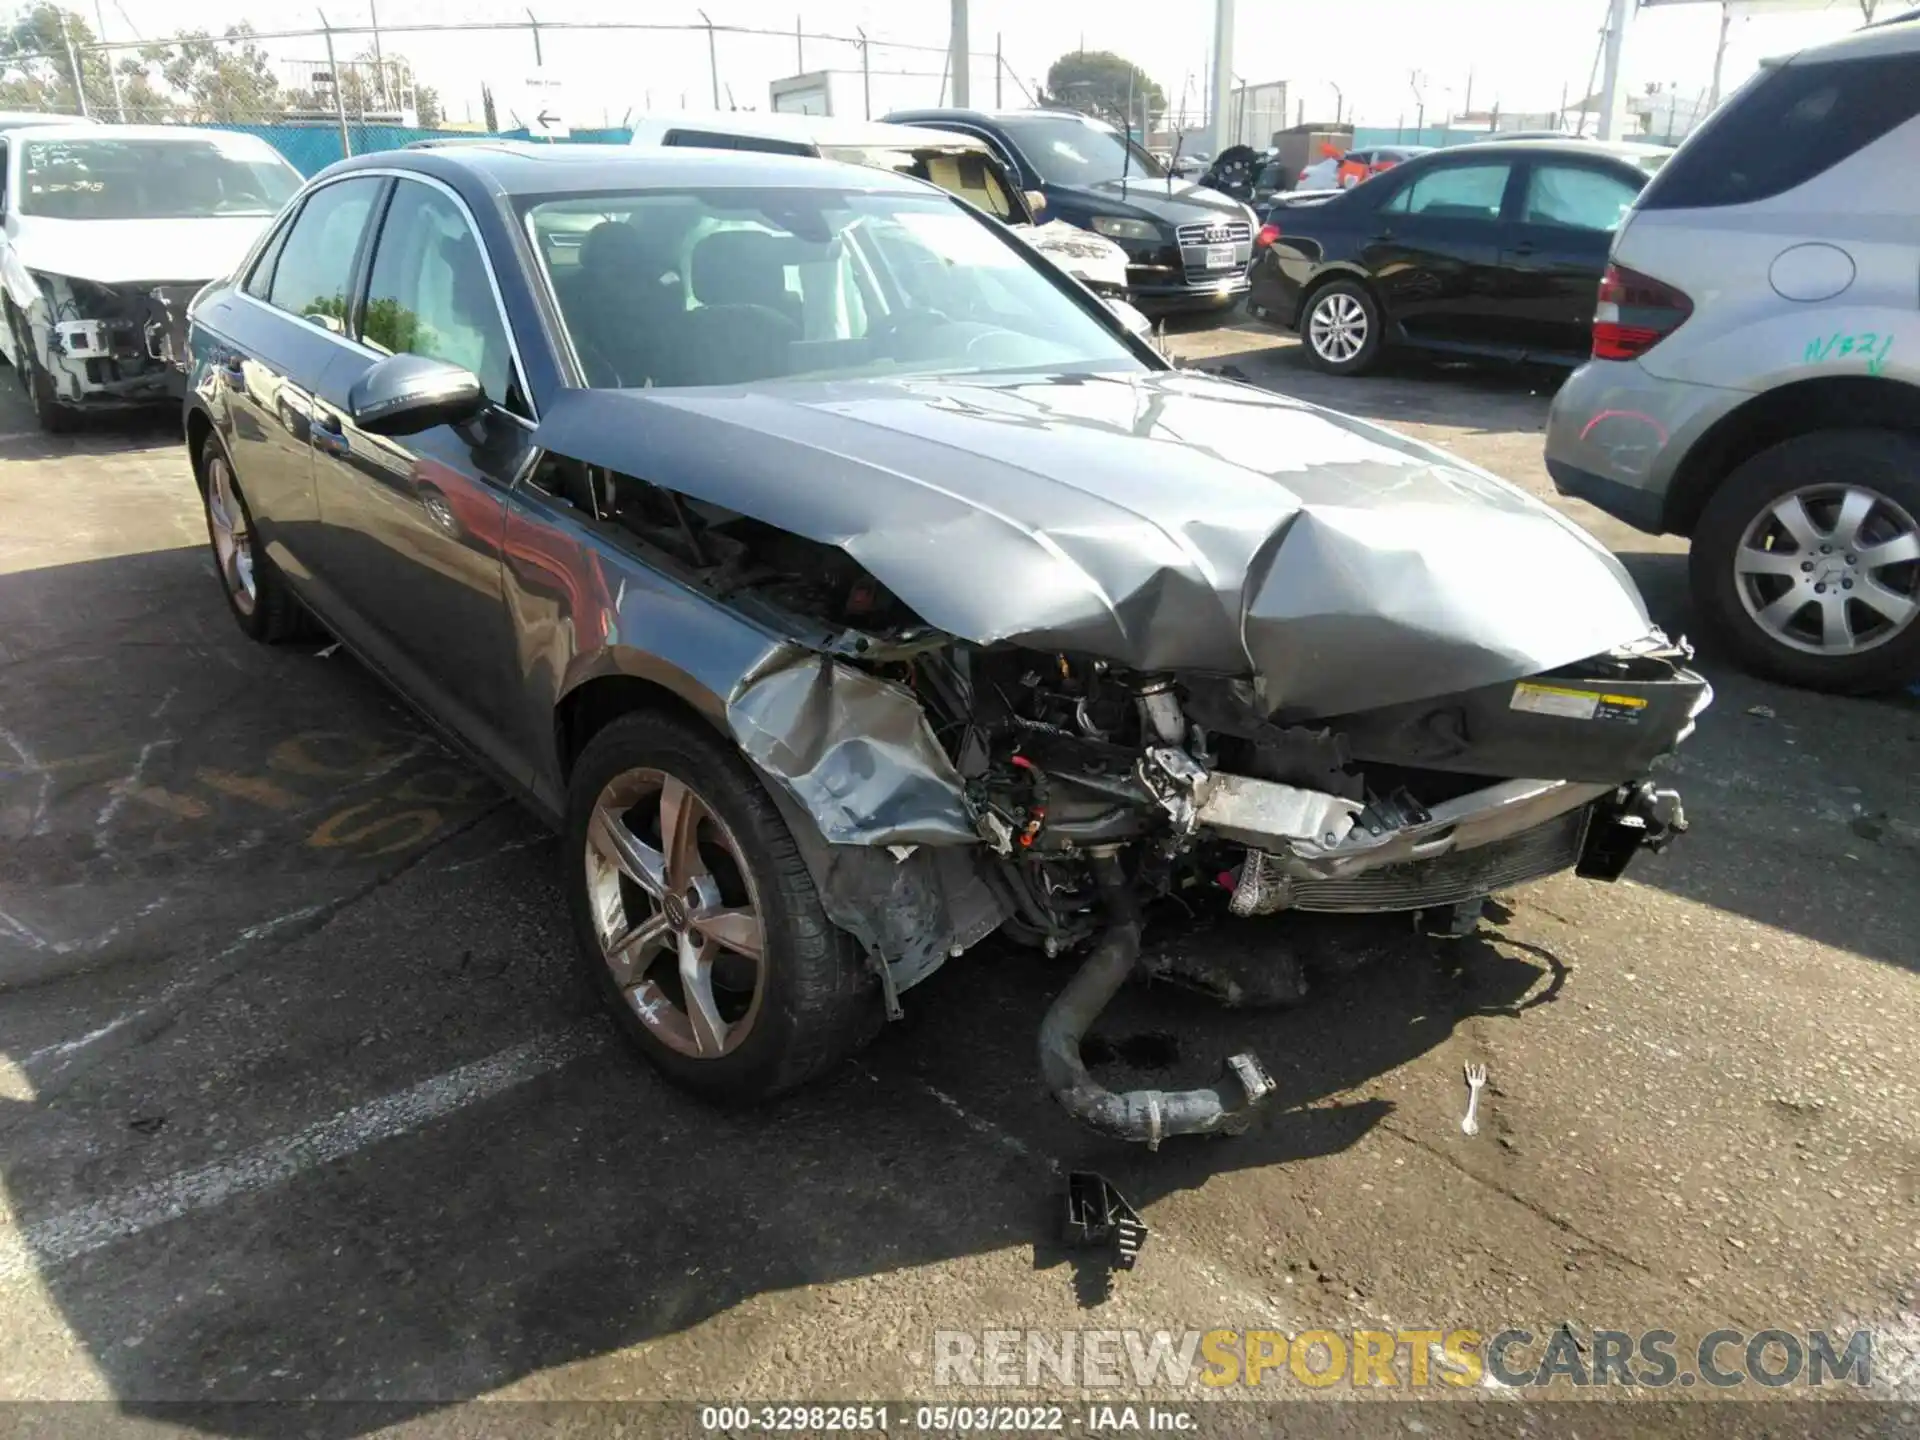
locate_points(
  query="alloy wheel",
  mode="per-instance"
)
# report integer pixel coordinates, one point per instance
(232, 539)
(1337, 329)
(1830, 569)
(676, 913)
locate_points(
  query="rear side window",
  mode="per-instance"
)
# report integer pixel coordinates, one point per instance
(260, 282)
(1576, 197)
(1454, 192)
(1786, 126)
(315, 266)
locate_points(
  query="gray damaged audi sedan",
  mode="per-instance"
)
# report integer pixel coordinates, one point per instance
(847, 584)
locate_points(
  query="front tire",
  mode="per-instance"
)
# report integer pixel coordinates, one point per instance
(36, 382)
(697, 920)
(1341, 328)
(1806, 561)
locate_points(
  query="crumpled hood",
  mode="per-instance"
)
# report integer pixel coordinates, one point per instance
(1162, 521)
(114, 252)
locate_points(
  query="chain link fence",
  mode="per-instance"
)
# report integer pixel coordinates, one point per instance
(321, 92)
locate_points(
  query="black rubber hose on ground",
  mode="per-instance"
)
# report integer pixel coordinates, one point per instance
(1144, 1115)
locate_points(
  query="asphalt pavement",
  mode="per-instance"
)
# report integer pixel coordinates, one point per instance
(300, 1096)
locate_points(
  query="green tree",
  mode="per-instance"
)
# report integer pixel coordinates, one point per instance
(216, 78)
(1099, 82)
(35, 71)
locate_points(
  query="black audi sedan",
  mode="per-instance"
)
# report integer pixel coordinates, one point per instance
(1487, 250)
(1187, 246)
(846, 584)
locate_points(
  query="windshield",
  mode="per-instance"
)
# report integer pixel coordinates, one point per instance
(1068, 150)
(734, 286)
(152, 179)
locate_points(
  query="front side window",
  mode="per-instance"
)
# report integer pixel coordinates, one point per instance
(428, 291)
(1785, 126)
(1577, 197)
(186, 179)
(1453, 192)
(733, 286)
(315, 268)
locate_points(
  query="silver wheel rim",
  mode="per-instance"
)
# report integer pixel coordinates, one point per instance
(232, 540)
(1337, 329)
(1830, 570)
(675, 913)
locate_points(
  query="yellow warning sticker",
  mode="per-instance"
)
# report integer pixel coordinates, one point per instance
(1572, 704)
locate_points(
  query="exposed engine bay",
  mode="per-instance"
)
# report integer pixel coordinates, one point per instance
(108, 344)
(1082, 789)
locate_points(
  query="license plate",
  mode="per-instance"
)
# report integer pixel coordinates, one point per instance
(1220, 257)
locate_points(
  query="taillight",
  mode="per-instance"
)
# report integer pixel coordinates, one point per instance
(1269, 233)
(1635, 313)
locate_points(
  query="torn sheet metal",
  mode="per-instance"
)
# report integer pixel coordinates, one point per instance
(915, 912)
(1163, 521)
(855, 751)
(1092, 258)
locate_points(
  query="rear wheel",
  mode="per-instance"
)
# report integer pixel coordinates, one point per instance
(698, 921)
(1341, 328)
(1806, 561)
(259, 598)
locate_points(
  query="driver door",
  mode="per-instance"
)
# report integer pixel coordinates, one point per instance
(413, 524)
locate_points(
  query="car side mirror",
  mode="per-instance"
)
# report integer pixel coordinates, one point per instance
(1036, 202)
(405, 394)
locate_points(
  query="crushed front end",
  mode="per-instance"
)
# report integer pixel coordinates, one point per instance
(1101, 789)
(109, 346)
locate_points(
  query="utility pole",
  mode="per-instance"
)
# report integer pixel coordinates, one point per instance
(1612, 98)
(866, 75)
(958, 53)
(799, 49)
(119, 100)
(713, 58)
(339, 96)
(379, 65)
(73, 61)
(1221, 94)
(998, 65)
(1720, 52)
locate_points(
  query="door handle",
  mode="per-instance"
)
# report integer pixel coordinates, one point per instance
(1525, 247)
(1386, 234)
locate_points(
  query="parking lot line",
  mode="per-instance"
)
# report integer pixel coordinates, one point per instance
(80, 1231)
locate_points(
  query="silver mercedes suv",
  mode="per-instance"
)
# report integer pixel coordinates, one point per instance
(1755, 380)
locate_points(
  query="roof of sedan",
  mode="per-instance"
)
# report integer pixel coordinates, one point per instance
(526, 168)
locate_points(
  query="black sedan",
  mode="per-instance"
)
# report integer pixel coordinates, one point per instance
(846, 584)
(1493, 250)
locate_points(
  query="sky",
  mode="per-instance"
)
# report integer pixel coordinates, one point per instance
(1518, 53)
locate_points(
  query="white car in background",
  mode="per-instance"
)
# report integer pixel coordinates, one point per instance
(109, 231)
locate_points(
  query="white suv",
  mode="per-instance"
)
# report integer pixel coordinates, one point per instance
(1755, 381)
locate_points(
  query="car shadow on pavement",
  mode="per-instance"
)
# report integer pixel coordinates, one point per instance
(1804, 812)
(594, 1208)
